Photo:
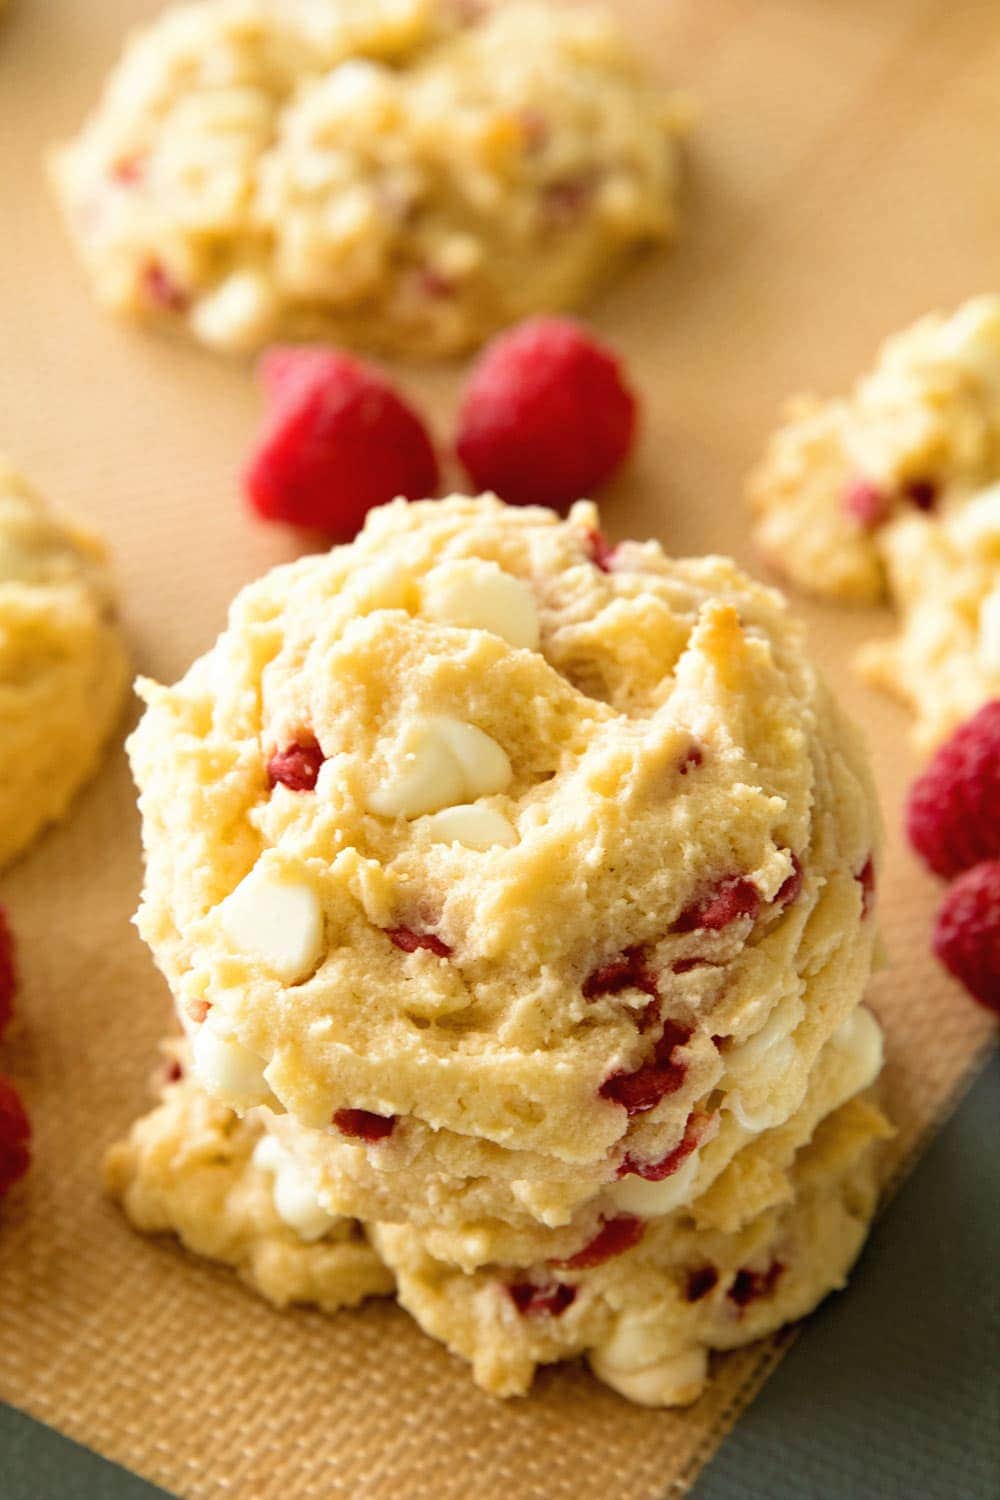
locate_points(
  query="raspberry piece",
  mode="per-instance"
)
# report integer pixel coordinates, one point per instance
(8, 971)
(532, 1300)
(337, 440)
(128, 170)
(644, 1088)
(602, 553)
(162, 290)
(967, 932)
(613, 1238)
(297, 766)
(865, 503)
(697, 1130)
(732, 898)
(409, 941)
(363, 1125)
(198, 1010)
(173, 1071)
(748, 1285)
(546, 416)
(789, 890)
(953, 812)
(700, 1281)
(694, 757)
(626, 972)
(15, 1136)
(866, 880)
(922, 493)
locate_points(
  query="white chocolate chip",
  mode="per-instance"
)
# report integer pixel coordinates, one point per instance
(481, 596)
(237, 315)
(634, 1195)
(756, 1070)
(676, 1380)
(860, 1037)
(278, 922)
(441, 762)
(294, 1200)
(989, 632)
(228, 1069)
(472, 825)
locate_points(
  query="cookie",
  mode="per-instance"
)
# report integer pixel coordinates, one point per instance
(891, 493)
(648, 1316)
(582, 865)
(63, 666)
(409, 175)
(944, 576)
(194, 1169)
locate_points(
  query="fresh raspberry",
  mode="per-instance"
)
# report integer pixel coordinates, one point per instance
(8, 971)
(363, 1125)
(337, 440)
(546, 417)
(967, 932)
(643, 1089)
(697, 1130)
(613, 1238)
(409, 941)
(732, 898)
(15, 1136)
(700, 1281)
(748, 1285)
(953, 813)
(296, 766)
(532, 1300)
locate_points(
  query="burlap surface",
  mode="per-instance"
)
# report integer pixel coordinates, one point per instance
(843, 179)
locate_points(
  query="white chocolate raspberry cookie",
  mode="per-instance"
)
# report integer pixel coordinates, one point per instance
(647, 1303)
(477, 831)
(892, 492)
(193, 1168)
(63, 667)
(406, 174)
(944, 576)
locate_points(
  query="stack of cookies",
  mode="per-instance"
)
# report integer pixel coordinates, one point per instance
(515, 894)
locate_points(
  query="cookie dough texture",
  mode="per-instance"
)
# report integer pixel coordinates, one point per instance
(865, 498)
(536, 774)
(194, 1169)
(405, 174)
(63, 666)
(648, 1318)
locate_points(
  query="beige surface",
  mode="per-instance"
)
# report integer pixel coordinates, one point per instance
(843, 180)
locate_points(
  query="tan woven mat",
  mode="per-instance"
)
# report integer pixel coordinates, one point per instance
(842, 180)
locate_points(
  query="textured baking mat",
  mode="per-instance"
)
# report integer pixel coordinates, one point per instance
(839, 148)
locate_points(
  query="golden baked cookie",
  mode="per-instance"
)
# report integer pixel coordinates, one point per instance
(194, 1169)
(63, 666)
(404, 174)
(469, 841)
(891, 493)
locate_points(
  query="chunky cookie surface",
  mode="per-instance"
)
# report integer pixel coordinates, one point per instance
(404, 174)
(891, 493)
(63, 666)
(194, 1169)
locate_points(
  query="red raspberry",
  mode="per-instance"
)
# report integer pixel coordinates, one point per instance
(532, 1300)
(614, 1237)
(953, 814)
(8, 972)
(967, 932)
(337, 440)
(547, 416)
(409, 941)
(748, 1285)
(732, 898)
(626, 972)
(651, 1082)
(296, 766)
(865, 503)
(700, 1281)
(363, 1125)
(15, 1136)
